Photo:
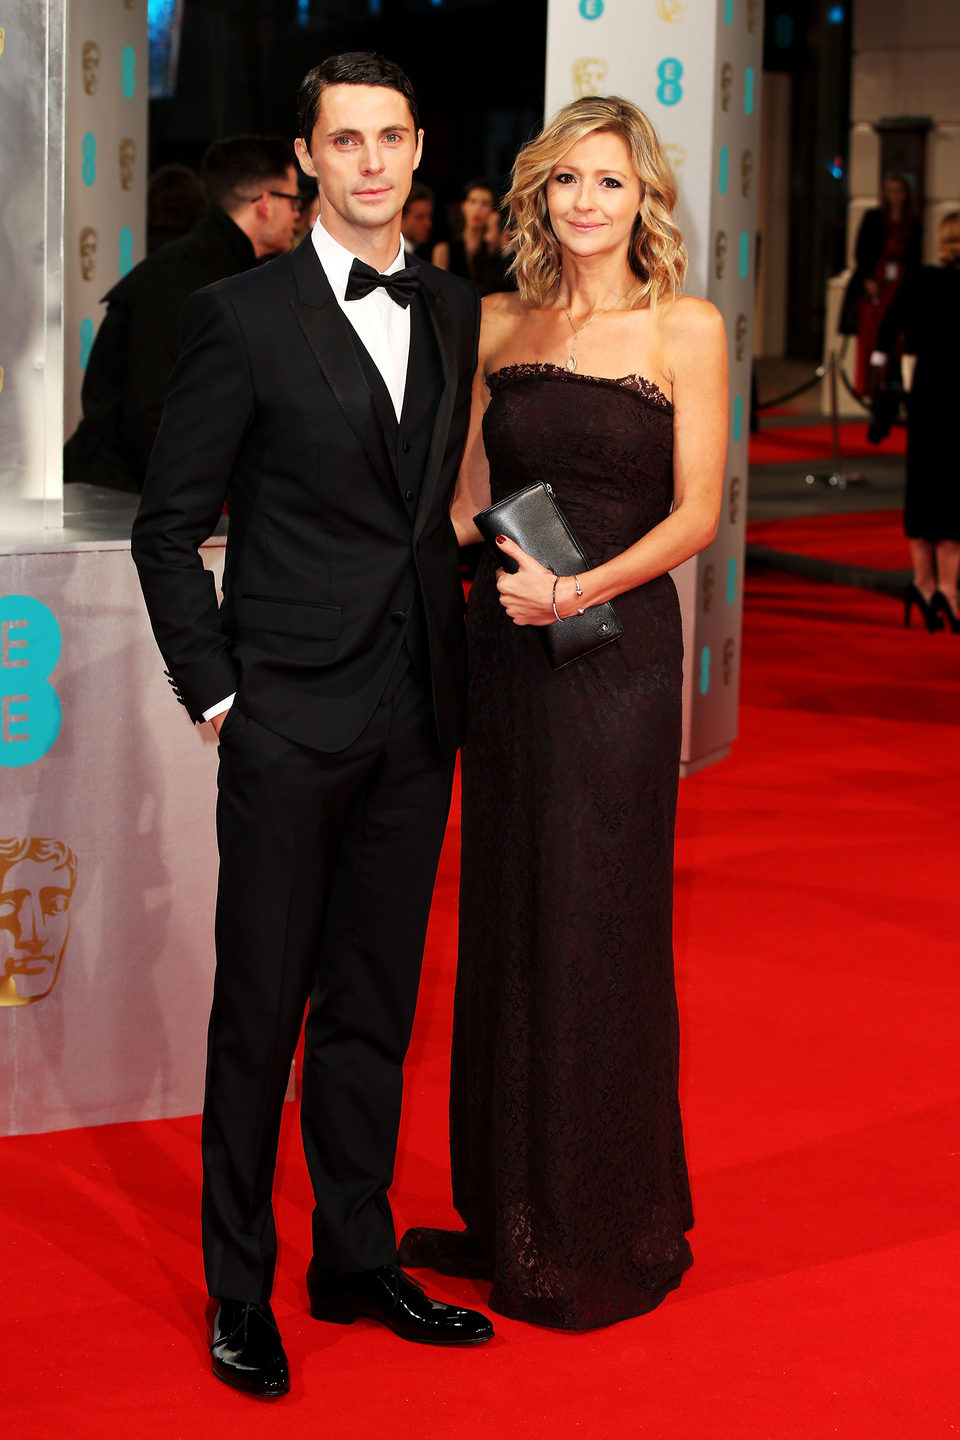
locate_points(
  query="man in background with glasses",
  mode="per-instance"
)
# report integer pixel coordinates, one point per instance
(250, 183)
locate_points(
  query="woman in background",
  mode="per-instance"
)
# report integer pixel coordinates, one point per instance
(473, 254)
(888, 246)
(566, 1139)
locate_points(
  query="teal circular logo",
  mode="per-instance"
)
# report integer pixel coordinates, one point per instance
(749, 87)
(670, 73)
(30, 713)
(126, 250)
(728, 12)
(128, 62)
(591, 9)
(704, 669)
(89, 158)
(723, 170)
(731, 579)
(737, 419)
(86, 342)
(744, 266)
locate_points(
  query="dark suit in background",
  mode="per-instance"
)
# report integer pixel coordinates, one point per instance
(341, 633)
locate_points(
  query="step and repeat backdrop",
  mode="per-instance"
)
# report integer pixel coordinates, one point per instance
(694, 67)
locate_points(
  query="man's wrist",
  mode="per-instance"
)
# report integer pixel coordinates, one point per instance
(219, 708)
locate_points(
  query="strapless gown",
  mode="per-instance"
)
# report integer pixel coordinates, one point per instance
(566, 1141)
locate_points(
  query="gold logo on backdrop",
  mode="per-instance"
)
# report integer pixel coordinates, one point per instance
(729, 650)
(37, 877)
(672, 9)
(675, 155)
(88, 252)
(740, 333)
(753, 7)
(726, 84)
(128, 157)
(733, 504)
(129, 4)
(90, 60)
(746, 172)
(589, 75)
(1, 379)
(709, 579)
(720, 254)
(3, 38)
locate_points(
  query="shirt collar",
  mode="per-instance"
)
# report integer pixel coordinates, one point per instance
(336, 260)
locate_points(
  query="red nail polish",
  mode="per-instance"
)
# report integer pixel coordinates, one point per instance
(500, 539)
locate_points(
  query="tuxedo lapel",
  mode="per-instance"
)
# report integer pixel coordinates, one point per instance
(326, 330)
(437, 308)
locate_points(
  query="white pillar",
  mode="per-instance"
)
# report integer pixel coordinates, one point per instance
(694, 67)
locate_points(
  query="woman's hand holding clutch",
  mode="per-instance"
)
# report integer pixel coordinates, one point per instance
(528, 594)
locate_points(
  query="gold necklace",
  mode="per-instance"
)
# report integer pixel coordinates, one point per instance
(571, 362)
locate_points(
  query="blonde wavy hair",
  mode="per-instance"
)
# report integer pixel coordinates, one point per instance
(657, 254)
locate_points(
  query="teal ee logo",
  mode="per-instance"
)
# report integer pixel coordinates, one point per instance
(731, 579)
(89, 158)
(670, 73)
(737, 419)
(591, 9)
(128, 83)
(86, 342)
(723, 170)
(728, 12)
(30, 712)
(126, 250)
(744, 254)
(704, 669)
(749, 87)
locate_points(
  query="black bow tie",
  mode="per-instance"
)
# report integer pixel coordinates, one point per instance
(401, 286)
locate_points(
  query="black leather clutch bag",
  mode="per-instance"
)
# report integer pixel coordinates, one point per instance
(532, 519)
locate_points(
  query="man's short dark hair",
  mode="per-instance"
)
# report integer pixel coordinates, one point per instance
(356, 67)
(418, 192)
(236, 169)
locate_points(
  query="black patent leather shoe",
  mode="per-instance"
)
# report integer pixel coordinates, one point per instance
(390, 1296)
(245, 1347)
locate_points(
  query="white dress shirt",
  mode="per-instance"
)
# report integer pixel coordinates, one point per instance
(382, 326)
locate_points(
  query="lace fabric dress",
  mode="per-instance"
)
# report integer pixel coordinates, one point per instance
(566, 1140)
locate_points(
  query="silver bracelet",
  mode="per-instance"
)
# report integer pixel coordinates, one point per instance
(556, 582)
(581, 608)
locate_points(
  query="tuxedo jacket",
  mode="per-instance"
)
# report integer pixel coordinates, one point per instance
(340, 546)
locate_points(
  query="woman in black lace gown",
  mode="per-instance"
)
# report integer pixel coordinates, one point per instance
(567, 1147)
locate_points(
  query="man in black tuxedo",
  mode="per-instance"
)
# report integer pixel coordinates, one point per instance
(325, 396)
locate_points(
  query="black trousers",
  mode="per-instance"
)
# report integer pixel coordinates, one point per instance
(327, 866)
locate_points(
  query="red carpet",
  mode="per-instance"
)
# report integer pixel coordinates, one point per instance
(873, 538)
(817, 924)
(805, 444)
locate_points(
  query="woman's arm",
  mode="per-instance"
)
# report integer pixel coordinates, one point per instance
(441, 255)
(695, 358)
(472, 492)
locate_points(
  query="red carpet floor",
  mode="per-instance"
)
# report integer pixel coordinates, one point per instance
(873, 538)
(803, 444)
(817, 925)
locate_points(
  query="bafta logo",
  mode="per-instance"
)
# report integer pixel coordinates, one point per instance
(128, 156)
(733, 503)
(746, 173)
(88, 252)
(3, 38)
(675, 155)
(726, 85)
(129, 4)
(740, 336)
(90, 59)
(37, 877)
(720, 254)
(1, 379)
(753, 9)
(729, 650)
(709, 580)
(672, 10)
(589, 76)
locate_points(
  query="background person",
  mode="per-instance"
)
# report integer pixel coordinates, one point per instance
(888, 246)
(566, 1140)
(416, 221)
(250, 182)
(473, 254)
(924, 320)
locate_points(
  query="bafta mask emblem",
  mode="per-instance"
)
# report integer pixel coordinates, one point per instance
(746, 173)
(672, 10)
(729, 650)
(88, 252)
(709, 579)
(589, 75)
(90, 59)
(128, 156)
(733, 503)
(753, 7)
(726, 84)
(37, 877)
(675, 155)
(720, 253)
(740, 335)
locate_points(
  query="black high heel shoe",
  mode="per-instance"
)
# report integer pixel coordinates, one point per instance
(941, 605)
(928, 608)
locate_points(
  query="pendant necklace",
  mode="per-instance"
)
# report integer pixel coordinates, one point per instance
(571, 361)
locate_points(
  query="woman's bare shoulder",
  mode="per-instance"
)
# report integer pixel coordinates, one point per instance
(501, 313)
(688, 321)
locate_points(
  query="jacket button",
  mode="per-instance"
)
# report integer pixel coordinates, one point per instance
(406, 447)
(398, 617)
(408, 495)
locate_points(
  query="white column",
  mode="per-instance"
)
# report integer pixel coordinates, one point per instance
(694, 67)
